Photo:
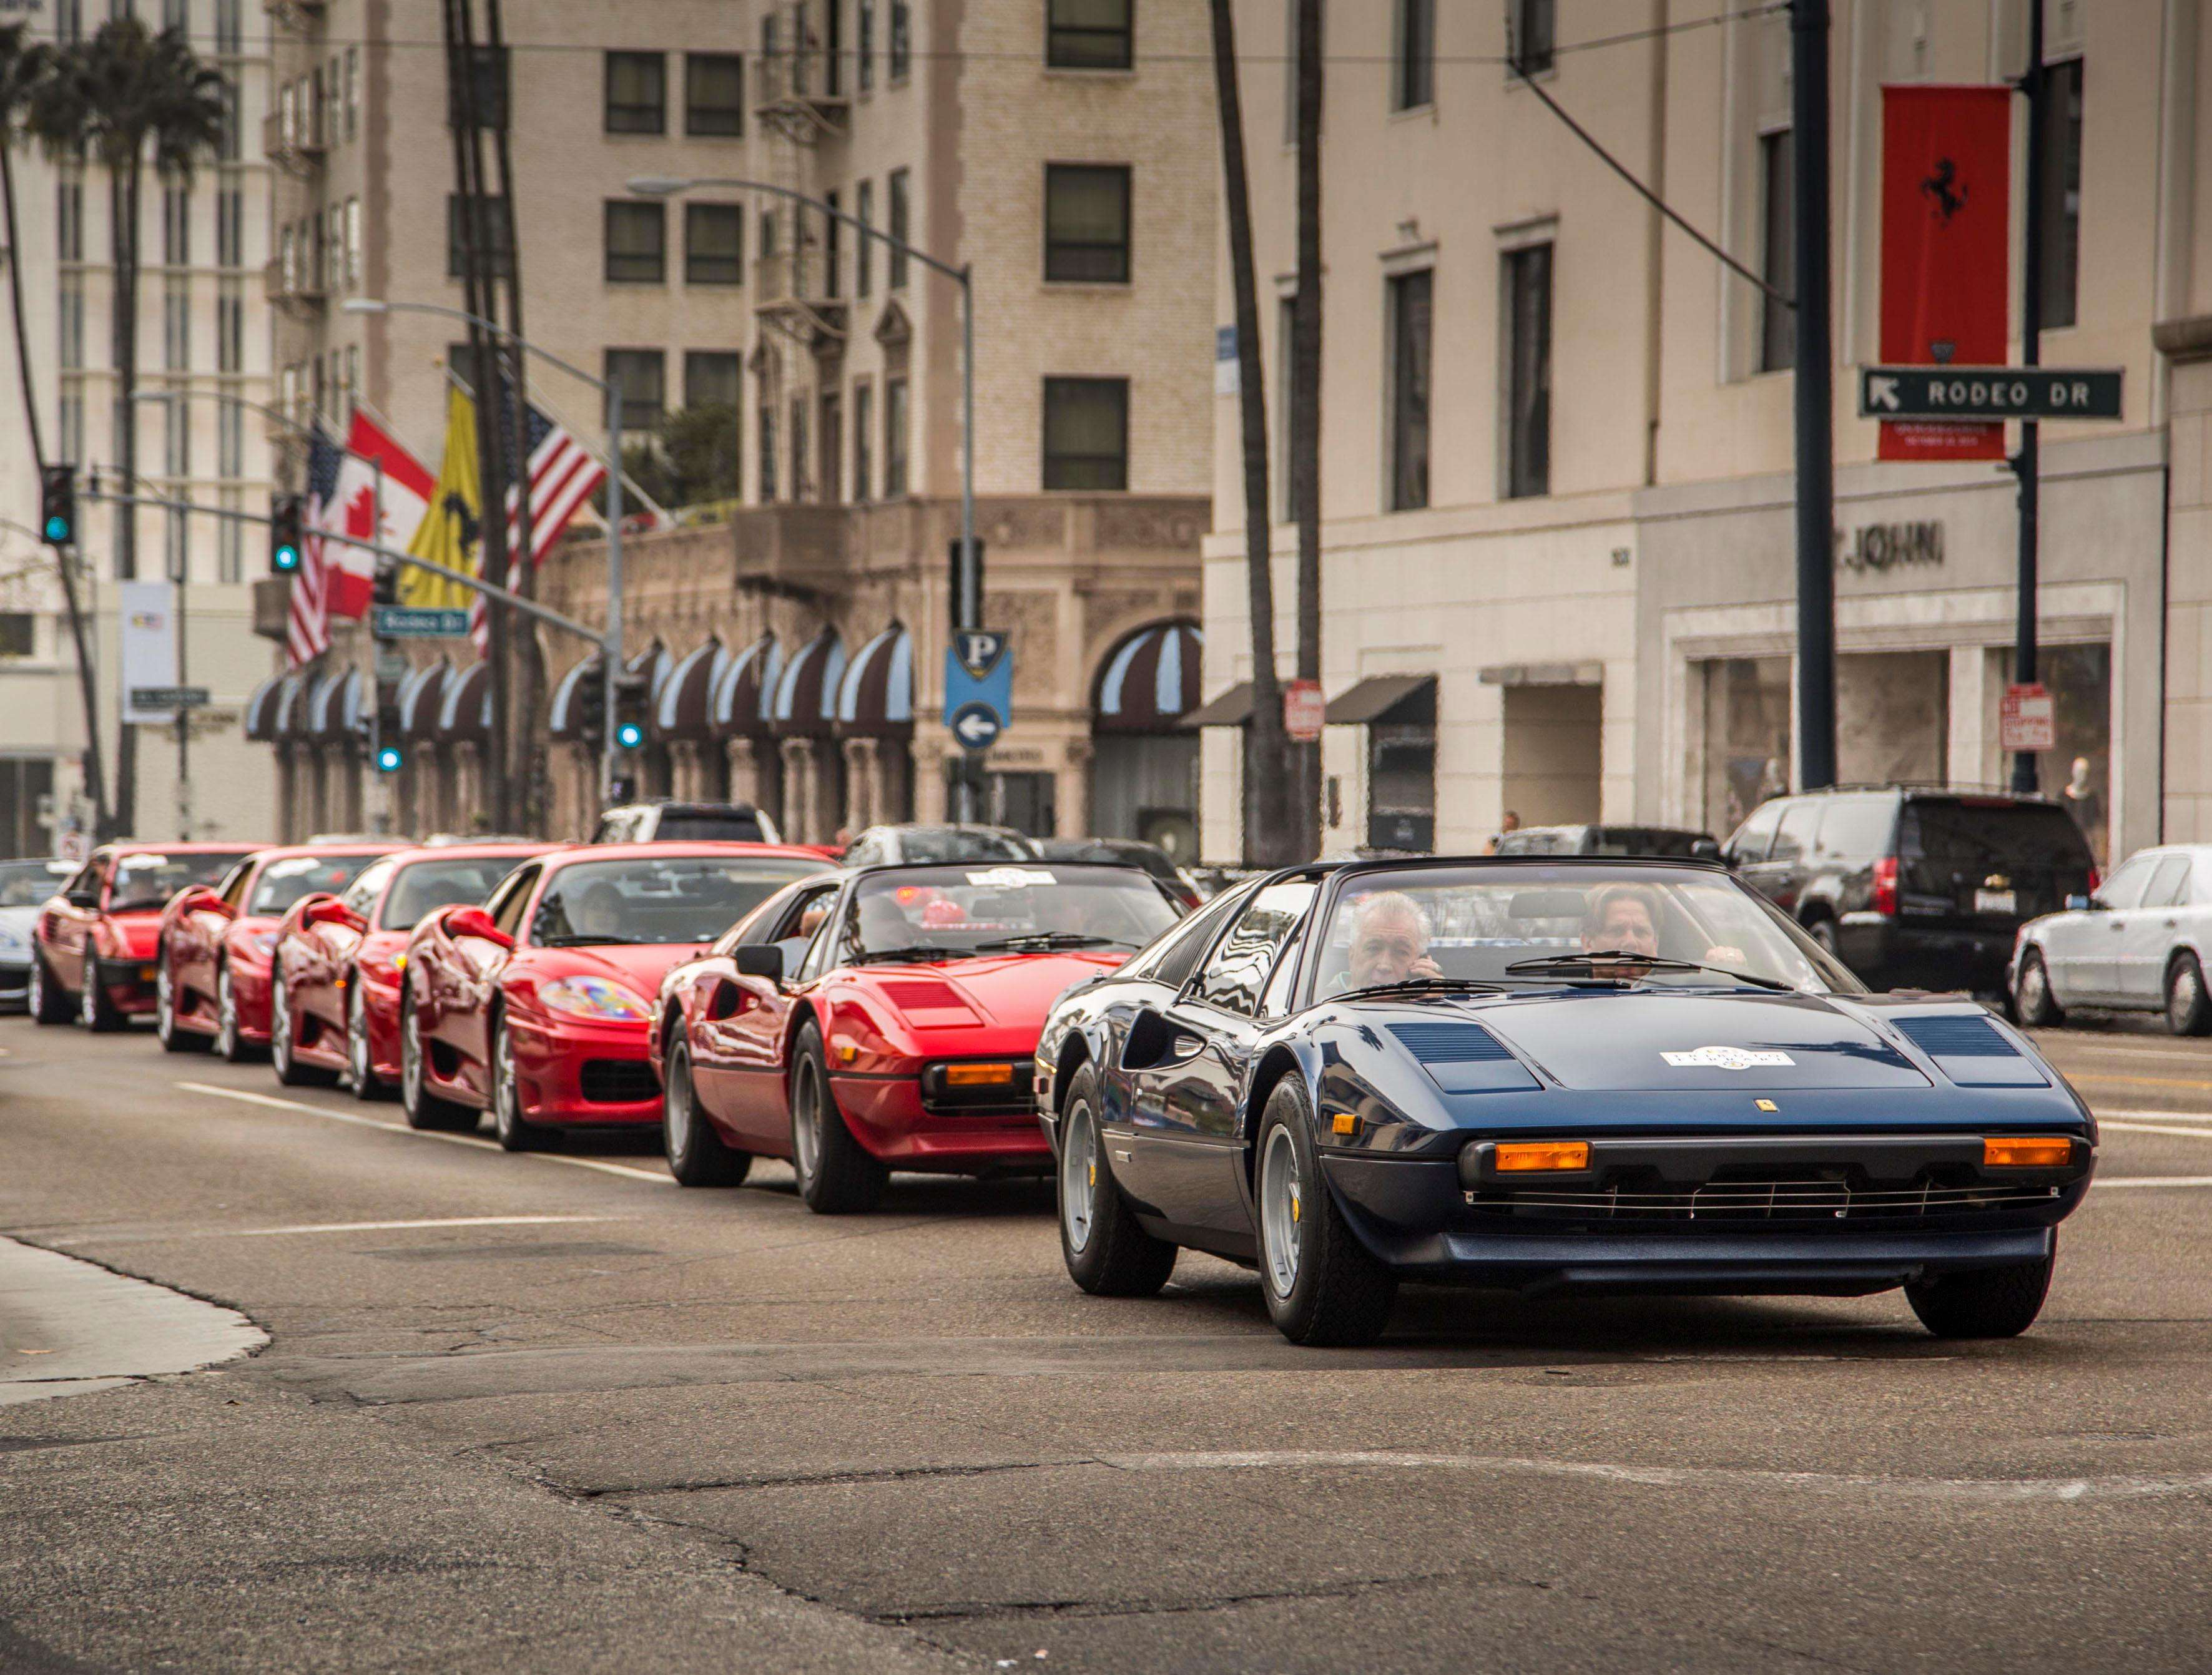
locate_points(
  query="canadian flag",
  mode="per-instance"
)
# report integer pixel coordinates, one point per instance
(407, 490)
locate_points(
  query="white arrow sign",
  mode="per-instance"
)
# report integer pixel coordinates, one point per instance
(1882, 392)
(975, 727)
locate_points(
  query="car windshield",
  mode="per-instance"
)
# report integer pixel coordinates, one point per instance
(708, 825)
(682, 898)
(283, 882)
(959, 843)
(951, 912)
(149, 880)
(29, 883)
(1520, 924)
(1109, 853)
(427, 886)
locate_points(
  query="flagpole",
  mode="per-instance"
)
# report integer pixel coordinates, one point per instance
(380, 818)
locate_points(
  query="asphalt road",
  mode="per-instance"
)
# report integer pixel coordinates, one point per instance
(553, 1412)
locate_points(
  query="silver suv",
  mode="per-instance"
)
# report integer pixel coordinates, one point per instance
(686, 823)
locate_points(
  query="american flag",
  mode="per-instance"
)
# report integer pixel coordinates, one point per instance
(563, 475)
(307, 633)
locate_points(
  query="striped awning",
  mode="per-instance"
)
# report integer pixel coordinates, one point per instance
(421, 694)
(465, 712)
(806, 696)
(744, 692)
(335, 711)
(261, 709)
(876, 698)
(683, 708)
(1149, 681)
(295, 705)
(566, 719)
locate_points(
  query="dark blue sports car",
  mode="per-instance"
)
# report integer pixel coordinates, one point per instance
(1547, 1072)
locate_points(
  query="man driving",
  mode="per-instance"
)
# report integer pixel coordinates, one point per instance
(1389, 943)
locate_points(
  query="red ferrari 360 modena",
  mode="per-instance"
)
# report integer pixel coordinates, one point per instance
(538, 1004)
(211, 953)
(886, 1019)
(92, 954)
(338, 960)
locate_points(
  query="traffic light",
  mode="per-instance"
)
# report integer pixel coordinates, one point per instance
(57, 506)
(287, 522)
(385, 589)
(389, 758)
(629, 708)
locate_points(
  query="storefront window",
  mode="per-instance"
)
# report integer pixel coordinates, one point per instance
(1892, 718)
(1746, 738)
(2078, 772)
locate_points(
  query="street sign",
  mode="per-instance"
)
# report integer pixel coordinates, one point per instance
(978, 651)
(1303, 710)
(168, 697)
(2028, 720)
(976, 725)
(418, 622)
(1988, 393)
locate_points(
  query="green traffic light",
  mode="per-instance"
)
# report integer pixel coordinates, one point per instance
(58, 529)
(288, 558)
(629, 735)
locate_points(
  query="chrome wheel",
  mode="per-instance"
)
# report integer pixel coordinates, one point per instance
(676, 1106)
(87, 1000)
(280, 1023)
(1079, 1178)
(2034, 990)
(165, 1002)
(506, 1091)
(806, 1123)
(37, 995)
(226, 1014)
(1282, 1207)
(2184, 995)
(357, 1058)
(410, 1054)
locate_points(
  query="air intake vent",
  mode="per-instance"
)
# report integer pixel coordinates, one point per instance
(1450, 1043)
(1956, 1038)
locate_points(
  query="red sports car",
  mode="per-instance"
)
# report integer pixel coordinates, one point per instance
(92, 954)
(211, 954)
(886, 1019)
(338, 960)
(538, 1004)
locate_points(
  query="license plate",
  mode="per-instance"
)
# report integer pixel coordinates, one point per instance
(1993, 901)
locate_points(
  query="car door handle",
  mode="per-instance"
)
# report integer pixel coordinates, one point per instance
(2171, 923)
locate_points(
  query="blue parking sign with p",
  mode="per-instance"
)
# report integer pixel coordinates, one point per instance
(979, 687)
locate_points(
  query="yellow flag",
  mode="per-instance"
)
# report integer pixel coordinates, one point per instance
(447, 533)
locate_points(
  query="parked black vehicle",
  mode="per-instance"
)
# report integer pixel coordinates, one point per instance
(1913, 888)
(1666, 842)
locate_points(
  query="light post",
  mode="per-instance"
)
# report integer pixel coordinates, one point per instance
(610, 646)
(967, 588)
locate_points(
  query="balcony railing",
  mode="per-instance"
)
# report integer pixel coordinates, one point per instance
(295, 286)
(791, 292)
(295, 145)
(801, 87)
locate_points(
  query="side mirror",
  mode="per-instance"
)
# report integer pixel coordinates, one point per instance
(1704, 849)
(475, 922)
(759, 959)
(329, 910)
(199, 899)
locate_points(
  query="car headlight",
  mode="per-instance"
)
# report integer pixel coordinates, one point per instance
(262, 943)
(594, 997)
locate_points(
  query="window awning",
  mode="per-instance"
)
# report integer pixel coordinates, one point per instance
(565, 720)
(336, 712)
(681, 710)
(295, 705)
(420, 696)
(1233, 708)
(1379, 697)
(1150, 681)
(876, 698)
(806, 696)
(261, 709)
(466, 712)
(744, 692)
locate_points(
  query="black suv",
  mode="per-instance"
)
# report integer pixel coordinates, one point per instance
(1663, 841)
(1914, 888)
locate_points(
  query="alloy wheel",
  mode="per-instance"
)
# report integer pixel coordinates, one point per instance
(1079, 1177)
(1281, 1208)
(410, 1054)
(806, 1123)
(226, 1014)
(357, 1057)
(280, 1021)
(87, 1005)
(676, 1105)
(165, 1003)
(506, 1091)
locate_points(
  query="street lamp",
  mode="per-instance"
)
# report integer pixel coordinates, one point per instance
(968, 591)
(611, 646)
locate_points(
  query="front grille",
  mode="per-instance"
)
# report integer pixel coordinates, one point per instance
(1818, 1197)
(617, 1081)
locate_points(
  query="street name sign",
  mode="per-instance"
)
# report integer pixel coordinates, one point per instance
(419, 622)
(979, 687)
(1988, 393)
(168, 697)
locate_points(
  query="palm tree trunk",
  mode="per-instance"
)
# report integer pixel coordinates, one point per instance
(1305, 404)
(1267, 781)
(124, 195)
(96, 781)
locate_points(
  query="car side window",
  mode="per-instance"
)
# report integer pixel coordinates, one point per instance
(820, 957)
(2124, 888)
(87, 879)
(1753, 837)
(1856, 830)
(1794, 836)
(1275, 1002)
(507, 901)
(232, 889)
(361, 895)
(1233, 978)
(2169, 884)
(1175, 953)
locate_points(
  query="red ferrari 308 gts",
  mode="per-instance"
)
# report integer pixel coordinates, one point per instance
(886, 1019)
(92, 953)
(211, 961)
(338, 960)
(538, 1005)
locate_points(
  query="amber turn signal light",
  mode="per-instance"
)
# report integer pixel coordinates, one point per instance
(1344, 1122)
(1523, 1156)
(978, 1075)
(2027, 1152)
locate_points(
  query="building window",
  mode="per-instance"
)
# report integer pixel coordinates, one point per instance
(177, 325)
(2061, 145)
(228, 30)
(637, 241)
(71, 323)
(226, 141)
(177, 227)
(18, 632)
(802, 483)
(831, 431)
(1535, 35)
(894, 438)
(230, 543)
(1086, 433)
(711, 378)
(898, 213)
(863, 451)
(1086, 222)
(765, 429)
(767, 244)
(864, 251)
(230, 441)
(488, 87)
(643, 374)
(72, 416)
(497, 233)
(230, 227)
(68, 221)
(713, 95)
(1414, 66)
(637, 93)
(1777, 322)
(1528, 318)
(832, 248)
(352, 92)
(714, 244)
(352, 253)
(902, 39)
(1089, 34)
(230, 327)
(865, 44)
(1409, 303)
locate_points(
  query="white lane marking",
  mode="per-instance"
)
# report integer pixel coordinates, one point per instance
(1675, 1477)
(400, 1227)
(277, 1104)
(2177, 1130)
(2154, 1180)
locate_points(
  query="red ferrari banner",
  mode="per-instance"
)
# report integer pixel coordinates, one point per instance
(1946, 192)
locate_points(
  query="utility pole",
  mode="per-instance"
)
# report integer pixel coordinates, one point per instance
(2027, 463)
(1816, 574)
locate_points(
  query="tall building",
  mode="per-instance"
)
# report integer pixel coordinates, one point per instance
(794, 638)
(1558, 487)
(202, 347)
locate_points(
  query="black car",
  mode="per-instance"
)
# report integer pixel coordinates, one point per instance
(1673, 842)
(1146, 857)
(1914, 888)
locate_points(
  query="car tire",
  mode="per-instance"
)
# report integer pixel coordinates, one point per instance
(360, 1062)
(173, 1037)
(697, 1154)
(422, 1108)
(281, 1040)
(516, 1132)
(49, 1001)
(837, 1176)
(2032, 1006)
(1322, 1285)
(230, 1043)
(1823, 933)
(1107, 1253)
(1988, 1302)
(2187, 1008)
(94, 1010)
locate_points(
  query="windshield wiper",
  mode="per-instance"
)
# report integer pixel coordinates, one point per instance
(1042, 940)
(1415, 985)
(894, 955)
(1631, 966)
(577, 939)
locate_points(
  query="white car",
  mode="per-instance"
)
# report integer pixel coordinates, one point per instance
(25, 886)
(2141, 942)
(891, 845)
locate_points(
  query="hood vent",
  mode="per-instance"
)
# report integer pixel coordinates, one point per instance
(1971, 1051)
(1464, 1057)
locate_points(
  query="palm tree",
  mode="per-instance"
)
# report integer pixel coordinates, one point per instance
(24, 64)
(126, 97)
(1306, 403)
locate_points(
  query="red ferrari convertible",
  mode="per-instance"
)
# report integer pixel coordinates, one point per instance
(886, 1019)
(338, 960)
(211, 954)
(538, 1005)
(92, 953)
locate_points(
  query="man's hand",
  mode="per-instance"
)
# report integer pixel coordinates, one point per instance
(1725, 955)
(1426, 967)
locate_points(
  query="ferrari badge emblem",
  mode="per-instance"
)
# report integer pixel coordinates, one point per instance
(1728, 1058)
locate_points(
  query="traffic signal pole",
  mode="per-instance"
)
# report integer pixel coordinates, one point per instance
(2027, 464)
(1815, 403)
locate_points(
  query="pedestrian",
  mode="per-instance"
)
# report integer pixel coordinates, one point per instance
(1511, 823)
(2081, 801)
